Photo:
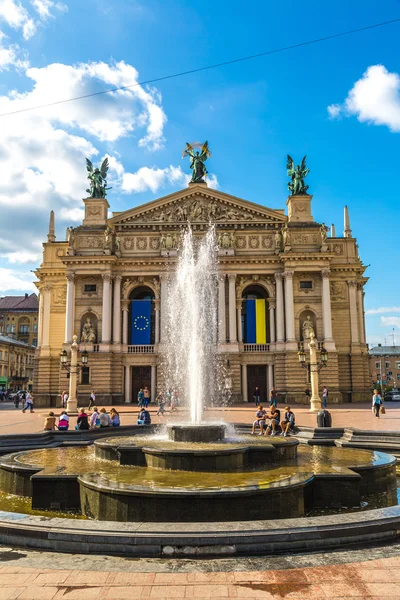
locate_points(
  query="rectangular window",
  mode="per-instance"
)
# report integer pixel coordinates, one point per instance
(397, 364)
(377, 365)
(24, 328)
(398, 376)
(35, 328)
(34, 343)
(387, 365)
(85, 376)
(5, 371)
(90, 287)
(305, 285)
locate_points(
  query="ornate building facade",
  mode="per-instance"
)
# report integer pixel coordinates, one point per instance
(88, 284)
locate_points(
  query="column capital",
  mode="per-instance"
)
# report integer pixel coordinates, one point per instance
(278, 276)
(352, 283)
(106, 276)
(125, 304)
(271, 305)
(232, 276)
(360, 287)
(118, 278)
(47, 287)
(325, 272)
(70, 276)
(288, 274)
(221, 276)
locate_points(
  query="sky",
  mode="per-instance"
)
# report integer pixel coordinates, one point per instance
(337, 101)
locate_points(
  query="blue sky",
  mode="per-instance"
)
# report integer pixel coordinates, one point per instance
(337, 101)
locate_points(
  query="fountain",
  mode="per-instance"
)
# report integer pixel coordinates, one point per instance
(195, 471)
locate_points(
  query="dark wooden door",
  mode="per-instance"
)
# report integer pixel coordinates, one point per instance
(141, 377)
(257, 376)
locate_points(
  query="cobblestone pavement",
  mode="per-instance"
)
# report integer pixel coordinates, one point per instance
(363, 573)
(349, 415)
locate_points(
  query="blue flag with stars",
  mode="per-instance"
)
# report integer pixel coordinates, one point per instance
(141, 322)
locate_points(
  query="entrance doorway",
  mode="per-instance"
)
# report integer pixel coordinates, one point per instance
(257, 376)
(141, 377)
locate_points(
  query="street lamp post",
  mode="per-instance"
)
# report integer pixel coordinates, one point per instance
(73, 367)
(314, 367)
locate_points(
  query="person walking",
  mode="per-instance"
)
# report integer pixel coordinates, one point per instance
(28, 403)
(92, 400)
(324, 396)
(64, 399)
(146, 397)
(140, 398)
(161, 405)
(273, 398)
(377, 403)
(256, 396)
(308, 395)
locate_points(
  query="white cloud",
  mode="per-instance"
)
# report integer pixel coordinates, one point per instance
(71, 214)
(44, 8)
(11, 55)
(16, 15)
(390, 322)
(151, 179)
(22, 257)
(12, 280)
(382, 310)
(375, 98)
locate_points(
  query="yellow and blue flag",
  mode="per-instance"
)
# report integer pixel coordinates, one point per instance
(141, 322)
(256, 324)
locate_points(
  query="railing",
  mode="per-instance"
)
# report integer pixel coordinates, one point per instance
(148, 349)
(256, 347)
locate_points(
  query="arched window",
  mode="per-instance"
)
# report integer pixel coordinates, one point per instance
(255, 327)
(141, 324)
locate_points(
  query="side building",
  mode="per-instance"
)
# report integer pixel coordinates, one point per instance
(91, 284)
(19, 318)
(384, 363)
(16, 364)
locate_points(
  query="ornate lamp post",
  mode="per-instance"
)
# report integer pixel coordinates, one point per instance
(314, 367)
(73, 367)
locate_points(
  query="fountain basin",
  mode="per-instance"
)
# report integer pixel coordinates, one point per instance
(196, 433)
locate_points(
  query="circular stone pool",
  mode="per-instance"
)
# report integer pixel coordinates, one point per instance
(243, 478)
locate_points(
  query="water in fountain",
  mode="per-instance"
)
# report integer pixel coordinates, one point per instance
(190, 363)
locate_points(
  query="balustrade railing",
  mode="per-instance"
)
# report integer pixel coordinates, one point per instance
(256, 347)
(143, 349)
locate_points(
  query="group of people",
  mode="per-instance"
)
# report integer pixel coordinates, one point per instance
(271, 423)
(97, 419)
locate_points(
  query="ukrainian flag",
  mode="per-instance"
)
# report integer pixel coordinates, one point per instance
(256, 323)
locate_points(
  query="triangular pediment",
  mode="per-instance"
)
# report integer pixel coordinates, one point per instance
(198, 204)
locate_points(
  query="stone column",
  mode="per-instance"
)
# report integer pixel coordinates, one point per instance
(280, 323)
(221, 310)
(355, 338)
(289, 307)
(163, 308)
(125, 315)
(72, 403)
(127, 384)
(106, 312)
(315, 399)
(270, 378)
(69, 311)
(360, 295)
(271, 310)
(153, 382)
(239, 319)
(244, 383)
(326, 305)
(232, 308)
(40, 318)
(46, 316)
(117, 310)
(157, 323)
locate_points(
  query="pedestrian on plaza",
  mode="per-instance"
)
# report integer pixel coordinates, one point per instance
(146, 397)
(17, 399)
(63, 421)
(105, 419)
(256, 396)
(64, 399)
(28, 403)
(273, 398)
(50, 422)
(161, 405)
(115, 419)
(82, 421)
(92, 400)
(377, 403)
(308, 395)
(140, 398)
(95, 418)
(324, 396)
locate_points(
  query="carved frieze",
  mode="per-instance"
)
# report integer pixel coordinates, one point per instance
(60, 296)
(338, 291)
(241, 242)
(128, 243)
(91, 242)
(337, 249)
(141, 243)
(304, 238)
(267, 241)
(254, 242)
(154, 243)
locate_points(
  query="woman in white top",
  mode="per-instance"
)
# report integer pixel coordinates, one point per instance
(376, 403)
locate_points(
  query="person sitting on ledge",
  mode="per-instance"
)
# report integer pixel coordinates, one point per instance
(82, 420)
(63, 421)
(274, 422)
(144, 417)
(105, 419)
(114, 416)
(288, 421)
(50, 422)
(260, 420)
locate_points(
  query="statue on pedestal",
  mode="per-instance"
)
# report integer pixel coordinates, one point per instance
(88, 332)
(297, 174)
(108, 240)
(197, 160)
(308, 328)
(98, 179)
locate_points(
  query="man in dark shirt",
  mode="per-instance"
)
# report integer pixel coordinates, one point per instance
(275, 418)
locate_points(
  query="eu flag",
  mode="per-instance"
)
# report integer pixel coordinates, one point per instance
(141, 322)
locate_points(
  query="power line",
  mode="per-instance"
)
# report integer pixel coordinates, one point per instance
(207, 68)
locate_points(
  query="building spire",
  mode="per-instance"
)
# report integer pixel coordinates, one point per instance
(51, 235)
(333, 230)
(347, 230)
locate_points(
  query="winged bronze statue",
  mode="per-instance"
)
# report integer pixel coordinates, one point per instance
(297, 175)
(98, 179)
(197, 161)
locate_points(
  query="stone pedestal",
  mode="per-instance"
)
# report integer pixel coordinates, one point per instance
(299, 209)
(96, 211)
